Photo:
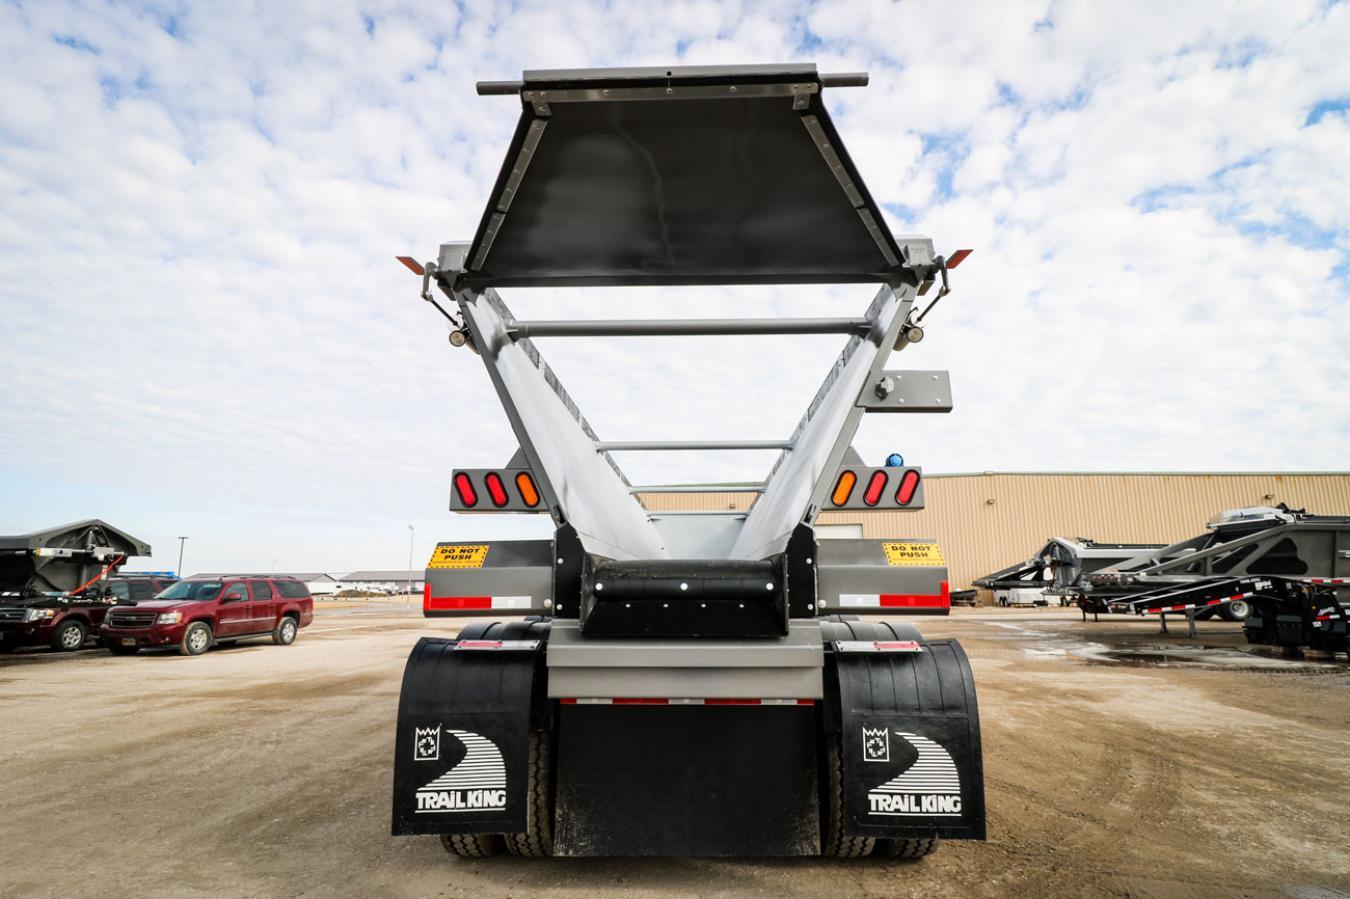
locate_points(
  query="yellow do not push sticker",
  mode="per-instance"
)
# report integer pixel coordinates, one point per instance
(459, 556)
(926, 554)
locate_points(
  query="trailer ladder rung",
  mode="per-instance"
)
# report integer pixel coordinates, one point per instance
(699, 488)
(604, 446)
(687, 327)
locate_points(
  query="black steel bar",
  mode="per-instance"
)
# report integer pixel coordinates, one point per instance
(499, 88)
(844, 79)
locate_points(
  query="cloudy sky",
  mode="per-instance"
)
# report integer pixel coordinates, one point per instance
(206, 333)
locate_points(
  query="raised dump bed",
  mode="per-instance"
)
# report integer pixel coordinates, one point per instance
(684, 684)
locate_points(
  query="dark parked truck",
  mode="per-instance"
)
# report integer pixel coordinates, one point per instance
(56, 585)
(195, 614)
(689, 684)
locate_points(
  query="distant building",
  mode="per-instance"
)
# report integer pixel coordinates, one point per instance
(990, 520)
(319, 583)
(384, 581)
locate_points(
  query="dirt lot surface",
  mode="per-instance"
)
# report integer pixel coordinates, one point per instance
(1118, 763)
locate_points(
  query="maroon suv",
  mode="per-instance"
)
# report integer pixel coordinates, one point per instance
(194, 614)
(64, 622)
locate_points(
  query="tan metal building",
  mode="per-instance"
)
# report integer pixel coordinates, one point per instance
(991, 520)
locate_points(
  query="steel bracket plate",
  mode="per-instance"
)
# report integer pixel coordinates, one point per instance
(908, 391)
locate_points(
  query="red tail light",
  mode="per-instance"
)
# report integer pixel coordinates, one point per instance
(464, 487)
(875, 486)
(528, 493)
(909, 483)
(496, 489)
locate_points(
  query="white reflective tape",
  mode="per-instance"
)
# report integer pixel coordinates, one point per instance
(877, 646)
(499, 645)
(680, 700)
(510, 602)
(860, 600)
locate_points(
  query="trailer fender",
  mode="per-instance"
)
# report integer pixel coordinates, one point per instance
(909, 732)
(461, 751)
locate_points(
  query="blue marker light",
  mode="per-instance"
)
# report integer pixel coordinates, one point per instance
(895, 460)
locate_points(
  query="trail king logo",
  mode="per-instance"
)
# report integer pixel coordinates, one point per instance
(876, 744)
(476, 783)
(427, 744)
(929, 788)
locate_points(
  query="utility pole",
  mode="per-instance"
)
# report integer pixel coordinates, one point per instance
(181, 542)
(411, 534)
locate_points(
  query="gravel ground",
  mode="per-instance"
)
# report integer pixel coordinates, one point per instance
(1118, 763)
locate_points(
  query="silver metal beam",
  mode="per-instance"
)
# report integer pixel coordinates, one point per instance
(604, 446)
(688, 327)
(699, 488)
(556, 439)
(799, 479)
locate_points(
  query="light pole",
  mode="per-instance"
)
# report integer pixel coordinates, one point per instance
(411, 534)
(181, 542)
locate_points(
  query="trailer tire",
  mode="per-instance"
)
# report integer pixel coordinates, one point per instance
(70, 636)
(537, 840)
(471, 845)
(1237, 610)
(911, 849)
(837, 845)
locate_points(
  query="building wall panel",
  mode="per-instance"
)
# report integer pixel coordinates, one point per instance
(989, 521)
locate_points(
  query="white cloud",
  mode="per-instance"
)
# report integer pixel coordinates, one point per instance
(207, 333)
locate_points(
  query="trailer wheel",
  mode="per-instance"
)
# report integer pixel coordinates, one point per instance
(907, 848)
(471, 845)
(537, 840)
(69, 636)
(1237, 610)
(836, 844)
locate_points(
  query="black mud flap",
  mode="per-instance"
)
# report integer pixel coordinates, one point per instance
(909, 731)
(687, 780)
(461, 751)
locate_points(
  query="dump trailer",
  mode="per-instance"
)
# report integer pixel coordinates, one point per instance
(1292, 613)
(51, 582)
(1260, 540)
(699, 684)
(1057, 569)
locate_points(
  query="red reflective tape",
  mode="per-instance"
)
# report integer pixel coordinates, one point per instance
(568, 701)
(1215, 602)
(806, 702)
(441, 603)
(957, 258)
(942, 600)
(640, 700)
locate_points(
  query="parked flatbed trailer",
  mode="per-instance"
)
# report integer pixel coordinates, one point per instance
(686, 684)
